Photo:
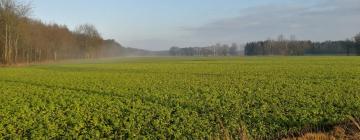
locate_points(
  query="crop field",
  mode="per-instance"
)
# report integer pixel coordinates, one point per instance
(178, 98)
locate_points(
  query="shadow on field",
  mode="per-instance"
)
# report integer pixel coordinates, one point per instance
(129, 71)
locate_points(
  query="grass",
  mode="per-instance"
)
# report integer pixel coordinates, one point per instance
(177, 98)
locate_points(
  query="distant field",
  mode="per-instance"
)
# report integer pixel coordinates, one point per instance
(177, 98)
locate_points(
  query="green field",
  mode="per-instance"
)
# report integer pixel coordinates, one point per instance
(178, 98)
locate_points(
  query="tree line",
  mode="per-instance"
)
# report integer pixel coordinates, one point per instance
(281, 46)
(26, 40)
(284, 46)
(213, 50)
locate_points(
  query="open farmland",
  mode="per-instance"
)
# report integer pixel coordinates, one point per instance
(177, 98)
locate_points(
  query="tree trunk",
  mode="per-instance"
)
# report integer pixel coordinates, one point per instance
(55, 55)
(28, 56)
(6, 44)
(10, 48)
(16, 49)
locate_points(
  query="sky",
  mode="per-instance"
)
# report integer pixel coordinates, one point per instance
(160, 24)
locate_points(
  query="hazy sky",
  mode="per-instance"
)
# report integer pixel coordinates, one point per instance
(160, 24)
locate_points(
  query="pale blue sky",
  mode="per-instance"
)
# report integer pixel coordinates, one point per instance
(159, 24)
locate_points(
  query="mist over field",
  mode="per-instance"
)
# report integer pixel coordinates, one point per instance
(180, 69)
